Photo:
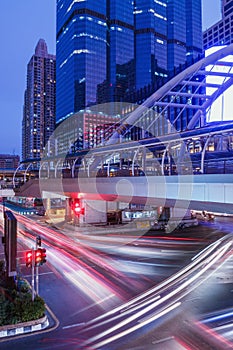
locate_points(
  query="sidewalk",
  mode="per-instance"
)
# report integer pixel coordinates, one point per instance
(96, 229)
(25, 327)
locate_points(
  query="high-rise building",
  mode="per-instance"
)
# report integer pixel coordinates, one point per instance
(81, 54)
(85, 129)
(110, 48)
(193, 29)
(120, 64)
(167, 34)
(9, 161)
(39, 102)
(220, 33)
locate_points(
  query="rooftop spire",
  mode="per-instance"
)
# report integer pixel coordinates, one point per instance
(41, 49)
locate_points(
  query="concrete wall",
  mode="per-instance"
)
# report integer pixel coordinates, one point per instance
(95, 212)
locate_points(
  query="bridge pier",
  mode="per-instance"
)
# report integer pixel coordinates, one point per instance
(68, 213)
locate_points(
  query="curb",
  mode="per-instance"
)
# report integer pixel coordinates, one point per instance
(24, 327)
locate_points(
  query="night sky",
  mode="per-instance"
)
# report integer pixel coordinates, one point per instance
(22, 24)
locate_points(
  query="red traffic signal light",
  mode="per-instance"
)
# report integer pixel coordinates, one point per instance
(40, 256)
(76, 206)
(29, 258)
(74, 203)
(43, 255)
(37, 257)
(79, 211)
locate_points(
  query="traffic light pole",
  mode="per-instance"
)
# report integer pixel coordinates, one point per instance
(34, 258)
(38, 244)
(37, 281)
(33, 273)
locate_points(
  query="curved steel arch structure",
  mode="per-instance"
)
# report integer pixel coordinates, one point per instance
(174, 91)
(185, 92)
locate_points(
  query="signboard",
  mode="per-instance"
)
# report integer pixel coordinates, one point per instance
(10, 229)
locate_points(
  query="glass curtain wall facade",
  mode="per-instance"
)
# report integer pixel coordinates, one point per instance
(150, 40)
(81, 54)
(193, 30)
(184, 32)
(120, 51)
(176, 33)
(110, 48)
(39, 102)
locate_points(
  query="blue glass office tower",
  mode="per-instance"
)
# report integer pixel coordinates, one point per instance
(110, 47)
(194, 44)
(176, 33)
(167, 33)
(81, 51)
(150, 41)
(120, 51)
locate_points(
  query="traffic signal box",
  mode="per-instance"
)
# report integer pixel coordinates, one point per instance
(29, 258)
(40, 257)
(37, 257)
(43, 255)
(76, 206)
(38, 241)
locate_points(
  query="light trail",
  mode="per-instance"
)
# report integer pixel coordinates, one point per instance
(159, 288)
(204, 264)
(137, 326)
(143, 309)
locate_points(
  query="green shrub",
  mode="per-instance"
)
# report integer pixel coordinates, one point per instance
(17, 306)
(32, 310)
(16, 303)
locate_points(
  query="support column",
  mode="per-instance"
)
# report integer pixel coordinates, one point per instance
(144, 160)
(47, 206)
(68, 213)
(95, 212)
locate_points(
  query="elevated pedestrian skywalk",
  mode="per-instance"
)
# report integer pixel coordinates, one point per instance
(211, 192)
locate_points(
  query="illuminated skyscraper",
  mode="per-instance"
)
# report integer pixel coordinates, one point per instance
(108, 48)
(81, 54)
(184, 31)
(120, 51)
(39, 102)
(220, 33)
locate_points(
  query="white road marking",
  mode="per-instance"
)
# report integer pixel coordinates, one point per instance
(74, 325)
